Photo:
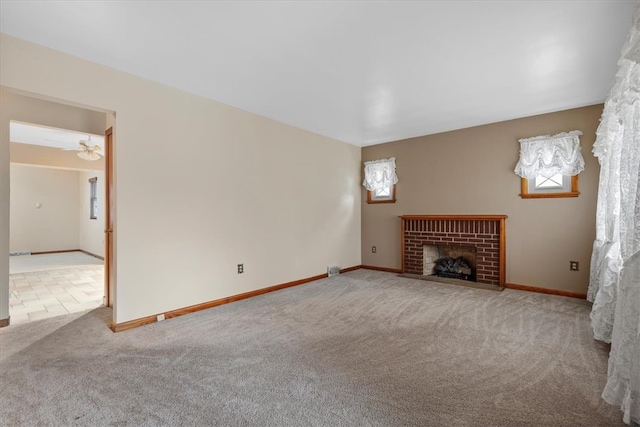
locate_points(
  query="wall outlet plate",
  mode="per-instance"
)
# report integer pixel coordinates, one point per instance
(574, 265)
(240, 268)
(373, 249)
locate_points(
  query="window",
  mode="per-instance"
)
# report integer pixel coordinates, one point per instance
(93, 198)
(557, 186)
(549, 165)
(382, 195)
(556, 182)
(380, 180)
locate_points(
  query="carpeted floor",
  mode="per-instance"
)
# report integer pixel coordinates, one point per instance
(364, 348)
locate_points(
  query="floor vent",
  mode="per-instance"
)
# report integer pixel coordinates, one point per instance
(333, 271)
(19, 253)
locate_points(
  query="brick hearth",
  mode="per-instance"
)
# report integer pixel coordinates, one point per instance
(485, 232)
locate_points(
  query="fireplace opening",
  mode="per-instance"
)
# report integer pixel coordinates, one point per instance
(453, 262)
(457, 268)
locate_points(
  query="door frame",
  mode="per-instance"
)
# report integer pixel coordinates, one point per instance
(109, 211)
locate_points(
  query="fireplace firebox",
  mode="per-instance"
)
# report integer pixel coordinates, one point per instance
(450, 261)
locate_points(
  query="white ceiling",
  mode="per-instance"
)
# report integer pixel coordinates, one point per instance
(360, 72)
(27, 133)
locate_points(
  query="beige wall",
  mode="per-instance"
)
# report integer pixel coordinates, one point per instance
(470, 171)
(201, 187)
(44, 209)
(62, 221)
(5, 173)
(91, 231)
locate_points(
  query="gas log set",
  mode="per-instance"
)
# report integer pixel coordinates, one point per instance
(455, 268)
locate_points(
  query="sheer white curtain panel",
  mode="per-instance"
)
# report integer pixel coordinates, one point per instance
(614, 285)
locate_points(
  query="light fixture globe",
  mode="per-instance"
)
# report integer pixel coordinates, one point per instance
(88, 155)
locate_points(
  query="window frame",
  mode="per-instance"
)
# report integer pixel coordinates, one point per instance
(371, 199)
(93, 198)
(545, 194)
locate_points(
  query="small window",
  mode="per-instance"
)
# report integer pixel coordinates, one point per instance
(556, 182)
(384, 195)
(380, 180)
(549, 165)
(555, 186)
(93, 198)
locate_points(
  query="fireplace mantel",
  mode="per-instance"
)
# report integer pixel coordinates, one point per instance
(456, 217)
(486, 232)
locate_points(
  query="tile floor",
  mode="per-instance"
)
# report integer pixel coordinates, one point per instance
(65, 286)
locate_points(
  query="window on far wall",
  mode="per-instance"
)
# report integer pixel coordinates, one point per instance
(93, 198)
(556, 186)
(382, 195)
(549, 165)
(380, 180)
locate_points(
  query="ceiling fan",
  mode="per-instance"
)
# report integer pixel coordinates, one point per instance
(88, 150)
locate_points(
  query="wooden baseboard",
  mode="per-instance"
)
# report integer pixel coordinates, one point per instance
(90, 254)
(388, 270)
(545, 290)
(348, 269)
(55, 252)
(118, 327)
(68, 250)
(4, 322)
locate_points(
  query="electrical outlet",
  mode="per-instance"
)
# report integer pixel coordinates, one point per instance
(373, 249)
(160, 317)
(240, 268)
(574, 265)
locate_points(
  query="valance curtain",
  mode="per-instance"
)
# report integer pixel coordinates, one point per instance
(549, 155)
(614, 285)
(380, 174)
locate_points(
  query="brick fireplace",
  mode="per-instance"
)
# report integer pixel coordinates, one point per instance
(486, 233)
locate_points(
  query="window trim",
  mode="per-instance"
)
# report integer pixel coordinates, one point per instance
(93, 198)
(372, 200)
(524, 190)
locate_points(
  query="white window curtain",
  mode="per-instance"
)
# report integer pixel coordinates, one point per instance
(549, 155)
(614, 285)
(380, 174)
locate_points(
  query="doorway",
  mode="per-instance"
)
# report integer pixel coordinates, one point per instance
(54, 275)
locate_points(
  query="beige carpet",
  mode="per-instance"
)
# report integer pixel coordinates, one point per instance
(360, 349)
